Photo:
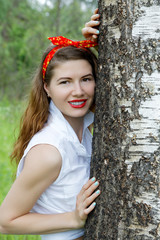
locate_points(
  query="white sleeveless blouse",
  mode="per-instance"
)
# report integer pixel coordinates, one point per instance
(60, 196)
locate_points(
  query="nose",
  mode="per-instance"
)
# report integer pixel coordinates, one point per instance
(77, 89)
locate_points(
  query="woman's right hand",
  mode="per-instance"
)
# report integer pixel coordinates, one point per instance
(90, 31)
(85, 201)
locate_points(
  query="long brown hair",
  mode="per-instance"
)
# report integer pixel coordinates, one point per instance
(37, 111)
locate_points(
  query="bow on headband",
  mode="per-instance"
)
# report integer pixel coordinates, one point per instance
(61, 42)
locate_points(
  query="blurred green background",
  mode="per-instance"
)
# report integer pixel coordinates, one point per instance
(25, 26)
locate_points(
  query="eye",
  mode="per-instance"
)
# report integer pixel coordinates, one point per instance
(64, 82)
(87, 79)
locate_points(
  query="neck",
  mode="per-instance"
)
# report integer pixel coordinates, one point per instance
(77, 125)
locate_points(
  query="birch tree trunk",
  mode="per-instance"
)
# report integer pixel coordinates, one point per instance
(126, 143)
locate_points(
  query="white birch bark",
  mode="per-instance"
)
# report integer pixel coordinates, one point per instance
(144, 133)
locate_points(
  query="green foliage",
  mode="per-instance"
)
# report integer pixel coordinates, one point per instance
(14, 237)
(25, 26)
(9, 120)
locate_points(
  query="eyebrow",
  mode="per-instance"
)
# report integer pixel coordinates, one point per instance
(65, 78)
(88, 75)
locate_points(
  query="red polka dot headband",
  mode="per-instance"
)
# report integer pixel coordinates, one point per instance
(64, 42)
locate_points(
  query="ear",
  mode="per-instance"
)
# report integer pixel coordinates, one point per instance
(46, 89)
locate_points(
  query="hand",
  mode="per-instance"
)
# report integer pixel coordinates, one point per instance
(90, 31)
(85, 201)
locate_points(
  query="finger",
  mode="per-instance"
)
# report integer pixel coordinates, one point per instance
(90, 208)
(91, 198)
(95, 37)
(90, 31)
(90, 182)
(95, 17)
(82, 194)
(92, 24)
(96, 11)
(90, 190)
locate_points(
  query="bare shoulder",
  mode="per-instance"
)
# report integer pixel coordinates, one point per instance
(44, 160)
(45, 153)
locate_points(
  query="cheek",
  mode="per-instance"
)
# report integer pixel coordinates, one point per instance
(91, 89)
(60, 94)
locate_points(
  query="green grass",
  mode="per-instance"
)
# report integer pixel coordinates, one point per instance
(10, 113)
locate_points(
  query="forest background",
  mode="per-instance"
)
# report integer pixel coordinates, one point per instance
(25, 26)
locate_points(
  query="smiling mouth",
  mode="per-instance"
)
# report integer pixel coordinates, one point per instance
(78, 103)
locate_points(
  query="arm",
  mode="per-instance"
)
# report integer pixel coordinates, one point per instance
(90, 31)
(39, 171)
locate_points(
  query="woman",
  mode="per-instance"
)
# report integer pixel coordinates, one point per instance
(52, 195)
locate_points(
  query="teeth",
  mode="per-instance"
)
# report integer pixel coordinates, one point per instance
(77, 103)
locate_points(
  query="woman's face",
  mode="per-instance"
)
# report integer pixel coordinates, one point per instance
(72, 88)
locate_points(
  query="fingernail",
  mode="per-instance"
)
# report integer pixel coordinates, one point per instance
(97, 31)
(97, 22)
(96, 183)
(97, 191)
(94, 204)
(93, 179)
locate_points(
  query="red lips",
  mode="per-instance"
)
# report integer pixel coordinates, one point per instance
(78, 103)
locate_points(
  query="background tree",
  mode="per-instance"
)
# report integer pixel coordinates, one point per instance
(126, 144)
(58, 17)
